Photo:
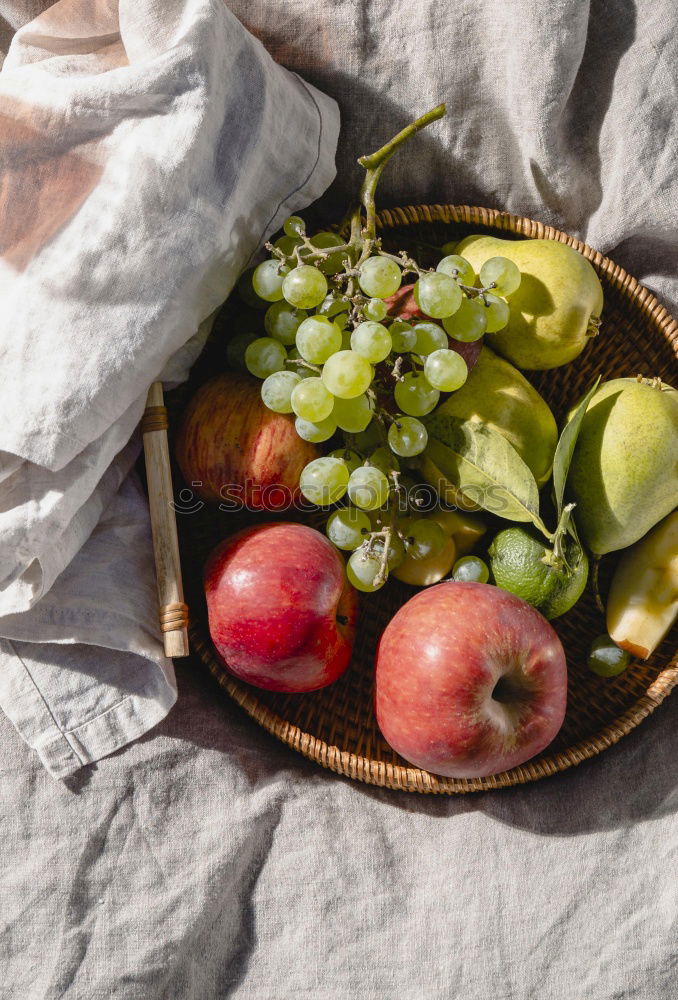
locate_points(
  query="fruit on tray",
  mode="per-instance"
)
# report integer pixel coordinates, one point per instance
(643, 600)
(465, 529)
(462, 532)
(521, 563)
(470, 681)
(281, 612)
(606, 658)
(624, 471)
(424, 572)
(232, 448)
(555, 310)
(497, 394)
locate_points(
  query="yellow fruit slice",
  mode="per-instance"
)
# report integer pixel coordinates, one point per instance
(643, 600)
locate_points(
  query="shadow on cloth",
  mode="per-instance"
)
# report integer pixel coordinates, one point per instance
(634, 780)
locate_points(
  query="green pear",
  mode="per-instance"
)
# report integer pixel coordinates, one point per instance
(555, 310)
(496, 393)
(624, 471)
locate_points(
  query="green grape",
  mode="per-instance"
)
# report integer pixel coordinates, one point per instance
(265, 356)
(351, 458)
(369, 439)
(235, 350)
(304, 287)
(469, 321)
(446, 370)
(415, 395)
(246, 291)
(424, 538)
(276, 391)
(294, 226)
(324, 481)
(346, 528)
(379, 277)
(430, 337)
(286, 244)
(449, 248)
(606, 659)
(501, 273)
(403, 336)
(346, 374)
(372, 341)
(375, 310)
(384, 459)
(282, 320)
(316, 432)
(333, 305)
(335, 262)
(496, 312)
(267, 280)
(368, 487)
(438, 295)
(346, 340)
(458, 268)
(362, 570)
(311, 400)
(352, 415)
(317, 339)
(470, 569)
(407, 437)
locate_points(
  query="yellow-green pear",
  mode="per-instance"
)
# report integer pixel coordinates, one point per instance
(555, 310)
(496, 393)
(643, 600)
(624, 471)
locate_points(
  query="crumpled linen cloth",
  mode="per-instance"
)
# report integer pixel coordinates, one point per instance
(206, 861)
(147, 151)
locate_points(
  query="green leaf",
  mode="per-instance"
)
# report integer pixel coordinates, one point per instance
(485, 467)
(565, 448)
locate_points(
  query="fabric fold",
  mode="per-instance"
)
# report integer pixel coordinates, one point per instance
(146, 155)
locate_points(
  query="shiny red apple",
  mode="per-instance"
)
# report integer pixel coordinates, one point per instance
(231, 448)
(470, 681)
(281, 612)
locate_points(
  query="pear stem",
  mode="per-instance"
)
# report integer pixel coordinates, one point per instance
(555, 557)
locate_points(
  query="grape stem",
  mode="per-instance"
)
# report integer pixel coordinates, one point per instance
(396, 372)
(408, 265)
(386, 533)
(374, 164)
(302, 364)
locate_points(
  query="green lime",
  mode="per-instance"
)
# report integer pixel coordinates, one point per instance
(516, 560)
(606, 658)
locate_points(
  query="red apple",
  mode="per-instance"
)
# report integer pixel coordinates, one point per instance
(470, 680)
(281, 611)
(403, 305)
(230, 447)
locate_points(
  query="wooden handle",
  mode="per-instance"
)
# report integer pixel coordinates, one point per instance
(173, 611)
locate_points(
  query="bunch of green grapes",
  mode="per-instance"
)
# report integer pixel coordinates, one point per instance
(359, 379)
(348, 371)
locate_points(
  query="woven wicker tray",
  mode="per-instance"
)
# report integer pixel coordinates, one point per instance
(336, 726)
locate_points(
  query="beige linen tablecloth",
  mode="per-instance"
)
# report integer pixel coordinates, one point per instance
(206, 861)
